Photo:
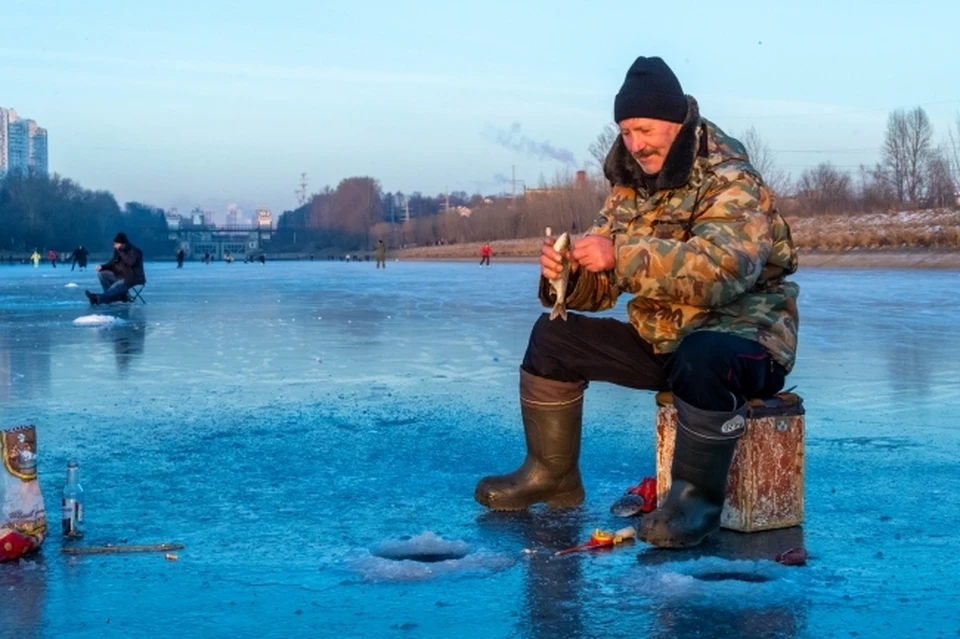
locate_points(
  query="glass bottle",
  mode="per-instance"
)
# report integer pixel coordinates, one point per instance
(72, 502)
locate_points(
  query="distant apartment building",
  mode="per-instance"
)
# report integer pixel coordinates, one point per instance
(233, 216)
(264, 218)
(23, 145)
(4, 151)
(37, 148)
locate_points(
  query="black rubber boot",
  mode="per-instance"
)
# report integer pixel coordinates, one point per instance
(705, 443)
(550, 473)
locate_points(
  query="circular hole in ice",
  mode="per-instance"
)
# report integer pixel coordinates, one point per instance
(751, 577)
(426, 548)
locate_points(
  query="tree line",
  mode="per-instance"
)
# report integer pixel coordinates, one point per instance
(913, 172)
(43, 213)
(352, 215)
(357, 213)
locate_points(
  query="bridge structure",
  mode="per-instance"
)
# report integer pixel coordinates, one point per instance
(198, 237)
(240, 241)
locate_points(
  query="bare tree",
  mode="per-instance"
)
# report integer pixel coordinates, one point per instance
(906, 149)
(601, 146)
(894, 153)
(940, 185)
(953, 152)
(918, 151)
(875, 190)
(824, 189)
(320, 214)
(762, 159)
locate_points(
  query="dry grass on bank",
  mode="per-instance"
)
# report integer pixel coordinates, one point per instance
(924, 239)
(931, 229)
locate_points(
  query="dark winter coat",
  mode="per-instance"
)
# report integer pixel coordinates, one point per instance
(80, 256)
(127, 263)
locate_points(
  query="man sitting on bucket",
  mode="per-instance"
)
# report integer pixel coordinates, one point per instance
(691, 231)
(124, 270)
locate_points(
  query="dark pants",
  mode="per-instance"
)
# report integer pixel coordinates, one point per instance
(114, 288)
(485, 260)
(709, 370)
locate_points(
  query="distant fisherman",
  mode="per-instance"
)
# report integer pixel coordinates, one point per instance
(381, 254)
(124, 270)
(690, 230)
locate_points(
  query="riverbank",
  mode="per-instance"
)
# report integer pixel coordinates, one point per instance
(528, 250)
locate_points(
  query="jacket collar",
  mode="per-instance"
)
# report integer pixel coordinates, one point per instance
(621, 169)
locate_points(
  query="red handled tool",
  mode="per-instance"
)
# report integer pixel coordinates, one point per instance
(602, 539)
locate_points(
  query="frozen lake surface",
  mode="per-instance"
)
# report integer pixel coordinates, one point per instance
(295, 425)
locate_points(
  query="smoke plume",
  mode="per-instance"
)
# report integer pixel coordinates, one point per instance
(514, 139)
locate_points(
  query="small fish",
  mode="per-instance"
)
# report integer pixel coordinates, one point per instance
(559, 285)
(639, 500)
(628, 506)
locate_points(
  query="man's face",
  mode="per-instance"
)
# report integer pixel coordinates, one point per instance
(648, 141)
(116, 246)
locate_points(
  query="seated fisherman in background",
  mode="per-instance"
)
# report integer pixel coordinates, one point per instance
(691, 232)
(124, 270)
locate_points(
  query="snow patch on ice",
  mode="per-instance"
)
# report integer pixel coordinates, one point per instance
(99, 320)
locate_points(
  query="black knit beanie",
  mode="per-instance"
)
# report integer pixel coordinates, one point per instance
(650, 90)
(121, 238)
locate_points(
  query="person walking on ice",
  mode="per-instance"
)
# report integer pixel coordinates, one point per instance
(485, 253)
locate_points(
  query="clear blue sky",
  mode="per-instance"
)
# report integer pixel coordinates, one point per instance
(181, 103)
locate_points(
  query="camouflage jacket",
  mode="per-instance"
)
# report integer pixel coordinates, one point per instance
(704, 249)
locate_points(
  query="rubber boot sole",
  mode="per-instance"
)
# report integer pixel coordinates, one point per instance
(569, 499)
(675, 543)
(668, 527)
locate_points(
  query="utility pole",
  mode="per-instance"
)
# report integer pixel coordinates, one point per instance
(301, 193)
(446, 206)
(513, 183)
(406, 208)
(393, 218)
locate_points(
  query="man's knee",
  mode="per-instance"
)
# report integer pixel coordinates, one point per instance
(543, 333)
(708, 366)
(546, 337)
(701, 355)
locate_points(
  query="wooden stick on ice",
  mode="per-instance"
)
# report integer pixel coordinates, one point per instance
(123, 548)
